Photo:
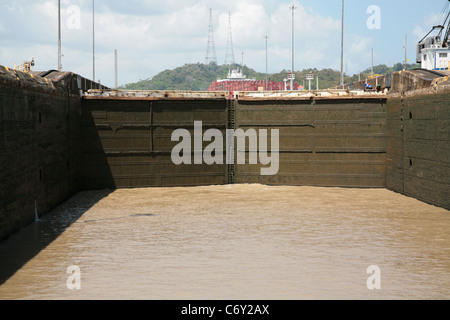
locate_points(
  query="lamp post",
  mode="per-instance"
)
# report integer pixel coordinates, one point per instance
(93, 40)
(371, 72)
(115, 69)
(309, 77)
(242, 71)
(342, 46)
(406, 57)
(267, 37)
(293, 74)
(59, 35)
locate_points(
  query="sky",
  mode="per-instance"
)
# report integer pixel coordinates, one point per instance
(152, 36)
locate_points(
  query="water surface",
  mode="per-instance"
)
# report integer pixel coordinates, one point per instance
(232, 242)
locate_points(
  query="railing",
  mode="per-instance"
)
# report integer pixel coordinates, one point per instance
(24, 67)
(444, 65)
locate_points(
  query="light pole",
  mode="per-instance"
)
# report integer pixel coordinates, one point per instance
(93, 40)
(59, 35)
(406, 57)
(342, 46)
(293, 74)
(309, 77)
(371, 72)
(242, 71)
(115, 69)
(267, 37)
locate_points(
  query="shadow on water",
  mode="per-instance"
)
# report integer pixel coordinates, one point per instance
(119, 218)
(25, 244)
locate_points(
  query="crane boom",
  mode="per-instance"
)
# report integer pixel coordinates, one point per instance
(447, 33)
(433, 51)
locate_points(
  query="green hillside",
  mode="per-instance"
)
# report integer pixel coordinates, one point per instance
(199, 76)
(190, 77)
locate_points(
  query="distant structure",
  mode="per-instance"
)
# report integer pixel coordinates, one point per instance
(433, 52)
(210, 50)
(229, 57)
(25, 67)
(236, 81)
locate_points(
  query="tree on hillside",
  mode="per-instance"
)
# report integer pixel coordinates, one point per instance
(199, 76)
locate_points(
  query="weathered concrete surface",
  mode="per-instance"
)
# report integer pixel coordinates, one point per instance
(402, 82)
(40, 143)
(418, 146)
(54, 144)
(328, 142)
(39, 147)
(418, 121)
(127, 143)
(338, 141)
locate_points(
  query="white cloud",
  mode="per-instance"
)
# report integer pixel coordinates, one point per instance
(425, 26)
(151, 36)
(315, 37)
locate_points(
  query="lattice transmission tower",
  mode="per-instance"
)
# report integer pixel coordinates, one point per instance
(229, 57)
(210, 50)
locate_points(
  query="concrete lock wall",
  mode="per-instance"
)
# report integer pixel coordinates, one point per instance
(54, 143)
(127, 143)
(418, 147)
(39, 147)
(341, 142)
(331, 142)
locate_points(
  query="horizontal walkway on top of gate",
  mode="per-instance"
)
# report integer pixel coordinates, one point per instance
(103, 94)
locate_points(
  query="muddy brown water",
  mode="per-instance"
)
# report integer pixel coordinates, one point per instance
(231, 242)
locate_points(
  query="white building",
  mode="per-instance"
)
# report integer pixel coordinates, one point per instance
(432, 55)
(433, 52)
